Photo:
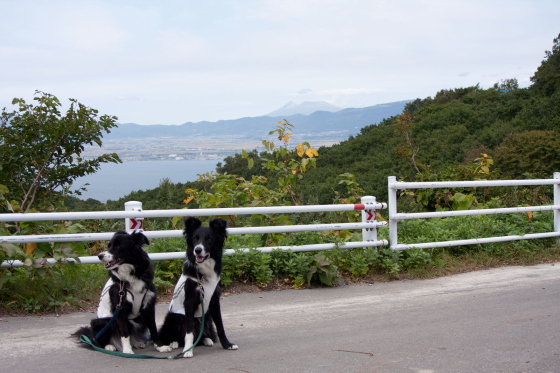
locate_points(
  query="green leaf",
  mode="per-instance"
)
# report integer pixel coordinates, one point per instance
(12, 251)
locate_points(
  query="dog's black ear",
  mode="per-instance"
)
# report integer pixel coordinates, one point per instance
(191, 224)
(219, 225)
(139, 238)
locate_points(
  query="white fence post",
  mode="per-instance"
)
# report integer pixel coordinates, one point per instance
(133, 224)
(368, 216)
(556, 191)
(392, 200)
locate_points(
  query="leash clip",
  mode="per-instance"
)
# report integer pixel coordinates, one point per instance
(121, 294)
(200, 287)
(201, 290)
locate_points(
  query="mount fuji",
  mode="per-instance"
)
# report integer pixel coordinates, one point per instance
(305, 108)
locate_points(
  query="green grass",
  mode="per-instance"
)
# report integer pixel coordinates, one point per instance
(64, 288)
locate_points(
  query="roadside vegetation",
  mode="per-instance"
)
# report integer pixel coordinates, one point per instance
(504, 132)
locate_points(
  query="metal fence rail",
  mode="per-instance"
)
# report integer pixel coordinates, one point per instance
(369, 225)
(134, 216)
(135, 211)
(395, 217)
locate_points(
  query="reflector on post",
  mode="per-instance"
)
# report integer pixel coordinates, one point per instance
(368, 216)
(133, 224)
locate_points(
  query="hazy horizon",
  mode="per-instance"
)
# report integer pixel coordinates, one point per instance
(173, 62)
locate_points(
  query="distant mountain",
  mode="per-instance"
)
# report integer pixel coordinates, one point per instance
(343, 123)
(305, 108)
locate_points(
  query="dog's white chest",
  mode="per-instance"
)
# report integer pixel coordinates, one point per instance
(134, 296)
(177, 303)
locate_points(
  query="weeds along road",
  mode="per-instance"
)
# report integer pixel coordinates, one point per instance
(499, 320)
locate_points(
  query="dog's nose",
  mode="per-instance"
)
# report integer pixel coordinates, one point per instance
(100, 256)
(197, 250)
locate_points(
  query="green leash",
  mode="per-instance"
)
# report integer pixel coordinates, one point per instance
(86, 340)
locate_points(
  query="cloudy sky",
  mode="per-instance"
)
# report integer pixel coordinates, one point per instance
(174, 61)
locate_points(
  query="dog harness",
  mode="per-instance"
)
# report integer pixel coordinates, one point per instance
(105, 306)
(177, 304)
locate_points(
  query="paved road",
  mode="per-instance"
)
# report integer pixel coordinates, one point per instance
(500, 320)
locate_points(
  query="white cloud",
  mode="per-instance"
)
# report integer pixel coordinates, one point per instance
(346, 91)
(177, 61)
(304, 91)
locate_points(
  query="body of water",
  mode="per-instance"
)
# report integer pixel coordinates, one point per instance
(113, 181)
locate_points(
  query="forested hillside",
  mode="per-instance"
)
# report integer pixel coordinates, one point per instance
(518, 127)
(454, 127)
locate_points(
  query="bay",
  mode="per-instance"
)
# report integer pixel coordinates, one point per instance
(113, 181)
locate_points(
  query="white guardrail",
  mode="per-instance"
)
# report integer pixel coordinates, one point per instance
(134, 215)
(395, 217)
(369, 225)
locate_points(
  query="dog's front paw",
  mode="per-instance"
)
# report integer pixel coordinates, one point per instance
(233, 347)
(128, 351)
(164, 348)
(208, 342)
(188, 354)
(174, 345)
(110, 348)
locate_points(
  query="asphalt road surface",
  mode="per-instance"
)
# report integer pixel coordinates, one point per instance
(499, 320)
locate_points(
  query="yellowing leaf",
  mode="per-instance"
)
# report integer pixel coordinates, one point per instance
(300, 150)
(176, 220)
(30, 247)
(311, 153)
(186, 201)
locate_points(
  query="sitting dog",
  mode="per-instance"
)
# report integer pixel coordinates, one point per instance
(130, 287)
(200, 278)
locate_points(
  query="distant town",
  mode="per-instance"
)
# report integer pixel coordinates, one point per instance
(180, 149)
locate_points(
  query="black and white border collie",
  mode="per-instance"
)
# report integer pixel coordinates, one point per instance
(130, 274)
(201, 273)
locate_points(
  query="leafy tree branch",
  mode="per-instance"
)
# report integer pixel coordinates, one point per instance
(41, 149)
